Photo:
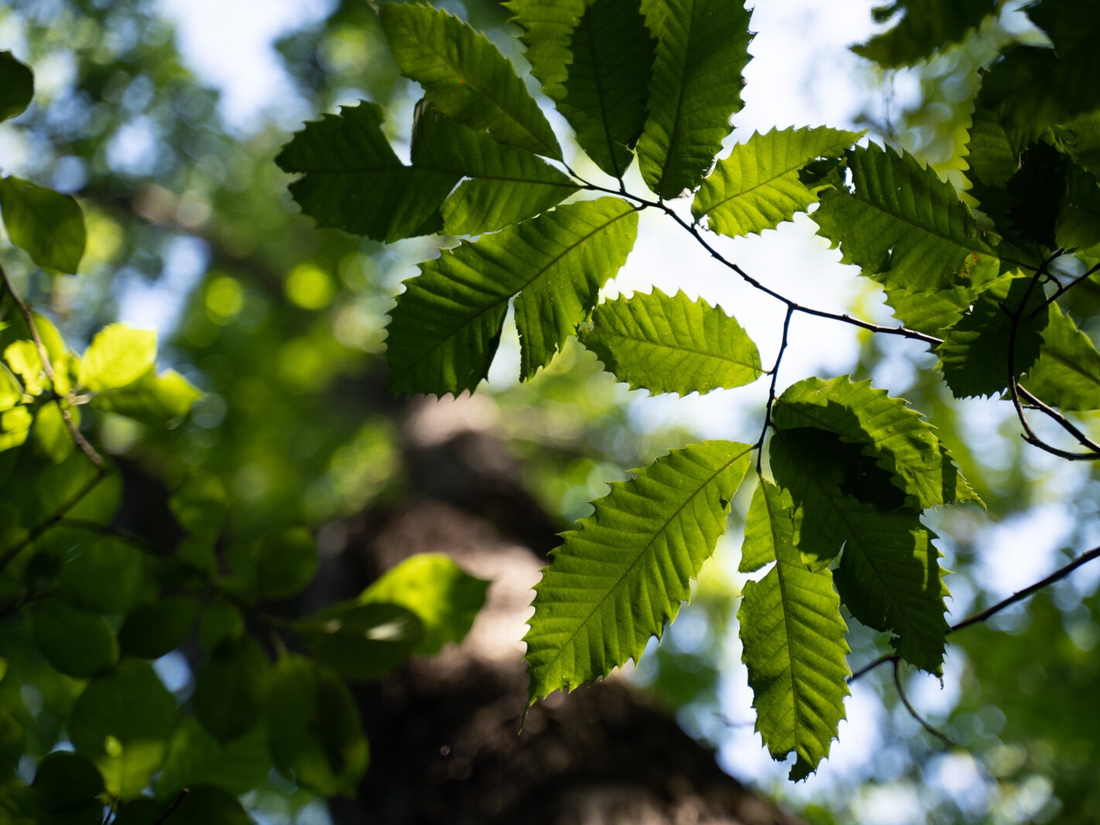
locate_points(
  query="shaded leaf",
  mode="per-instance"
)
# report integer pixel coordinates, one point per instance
(466, 77)
(793, 639)
(107, 575)
(444, 331)
(286, 562)
(702, 48)
(16, 86)
(314, 729)
(623, 573)
(1078, 222)
(896, 437)
(230, 688)
(974, 356)
(903, 226)
(758, 186)
(607, 84)
(155, 629)
(361, 641)
(65, 780)
(504, 184)
(352, 180)
(195, 757)
(672, 344)
(926, 26)
(1081, 138)
(443, 596)
(151, 399)
(76, 642)
(47, 225)
(1067, 374)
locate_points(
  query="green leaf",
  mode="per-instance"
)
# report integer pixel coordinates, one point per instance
(11, 391)
(904, 226)
(466, 77)
(889, 576)
(702, 48)
(546, 30)
(361, 641)
(352, 180)
(444, 331)
(122, 720)
(152, 399)
(504, 184)
(1067, 374)
(314, 728)
(926, 26)
(117, 356)
(1078, 222)
(672, 344)
(155, 629)
(205, 805)
(200, 505)
(66, 780)
(623, 573)
(47, 225)
(1080, 137)
(230, 688)
(15, 426)
(52, 437)
(758, 186)
(607, 84)
(896, 437)
(76, 642)
(196, 758)
(16, 86)
(793, 639)
(974, 356)
(106, 576)
(443, 596)
(286, 562)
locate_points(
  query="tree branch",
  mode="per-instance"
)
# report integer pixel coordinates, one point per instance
(913, 711)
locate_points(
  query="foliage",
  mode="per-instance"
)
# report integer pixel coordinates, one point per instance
(993, 276)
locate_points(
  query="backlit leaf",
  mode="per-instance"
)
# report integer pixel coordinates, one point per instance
(623, 573)
(1067, 374)
(702, 48)
(47, 225)
(546, 30)
(117, 356)
(758, 186)
(793, 639)
(444, 331)
(672, 344)
(466, 77)
(926, 26)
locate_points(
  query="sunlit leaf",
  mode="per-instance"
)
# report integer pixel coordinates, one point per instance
(546, 30)
(1067, 374)
(793, 639)
(623, 573)
(444, 331)
(702, 48)
(672, 344)
(466, 77)
(117, 356)
(151, 399)
(758, 186)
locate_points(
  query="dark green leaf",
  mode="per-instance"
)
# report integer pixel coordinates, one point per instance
(1067, 374)
(758, 186)
(352, 180)
(444, 331)
(608, 82)
(622, 574)
(47, 225)
(314, 729)
(1078, 223)
(926, 26)
(442, 595)
(74, 641)
(672, 344)
(230, 687)
(1081, 138)
(107, 576)
(220, 621)
(361, 641)
(702, 48)
(466, 77)
(16, 86)
(122, 720)
(974, 356)
(199, 806)
(66, 780)
(155, 629)
(200, 504)
(504, 184)
(196, 758)
(793, 638)
(286, 562)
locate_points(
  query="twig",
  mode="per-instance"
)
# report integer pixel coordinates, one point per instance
(160, 820)
(924, 723)
(47, 368)
(1067, 425)
(1062, 289)
(771, 390)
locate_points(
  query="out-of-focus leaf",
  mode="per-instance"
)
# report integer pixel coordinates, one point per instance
(230, 688)
(76, 642)
(47, 225)
(361, 641)
(153, 630)
(117, 356)
(16, 86)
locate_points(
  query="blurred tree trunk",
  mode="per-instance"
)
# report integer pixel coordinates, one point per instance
(445, 732)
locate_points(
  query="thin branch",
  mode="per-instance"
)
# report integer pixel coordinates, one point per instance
(160, 820)
(867, 668)
(771, 390)
(47, 367)
(1067, 425)
(1062, 289)
(913, 711)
